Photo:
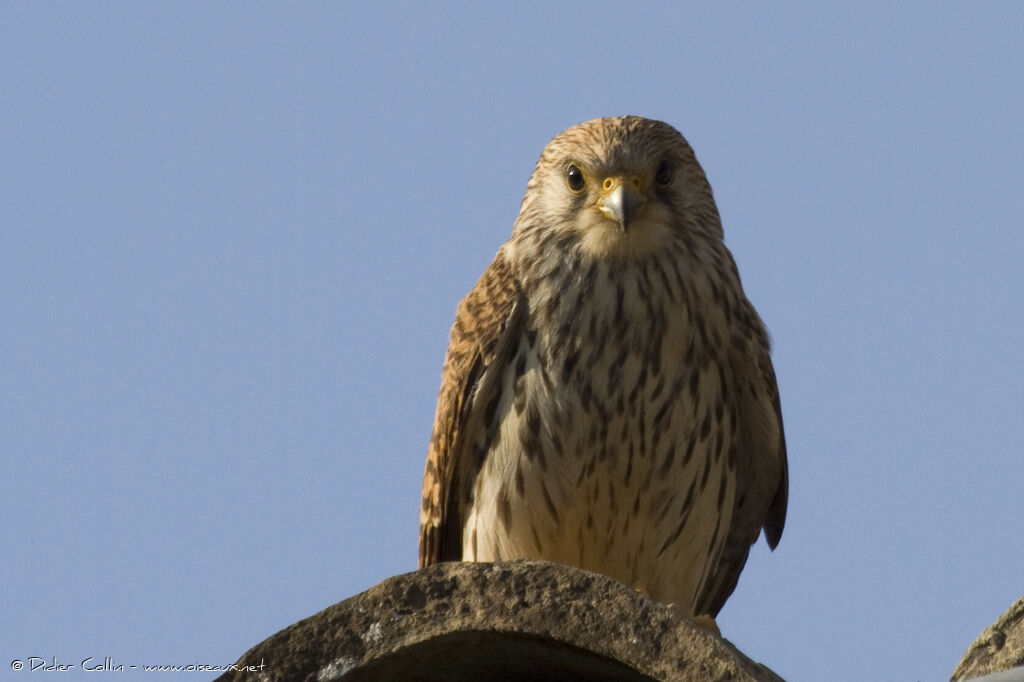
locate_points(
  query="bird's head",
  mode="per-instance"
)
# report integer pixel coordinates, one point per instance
(618, 186)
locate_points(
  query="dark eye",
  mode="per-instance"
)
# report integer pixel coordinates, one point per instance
(665, 172)
(574, 178)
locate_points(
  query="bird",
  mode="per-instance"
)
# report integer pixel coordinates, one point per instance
(608, 399)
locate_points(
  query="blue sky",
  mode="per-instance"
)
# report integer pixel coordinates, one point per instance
(233, 235)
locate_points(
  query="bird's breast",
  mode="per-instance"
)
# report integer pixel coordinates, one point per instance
(612, 438)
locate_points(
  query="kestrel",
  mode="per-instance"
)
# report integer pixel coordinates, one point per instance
(608, 399)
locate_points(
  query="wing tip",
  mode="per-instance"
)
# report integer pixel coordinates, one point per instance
(776, 519)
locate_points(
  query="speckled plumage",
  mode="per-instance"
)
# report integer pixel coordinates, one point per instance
(608, 399)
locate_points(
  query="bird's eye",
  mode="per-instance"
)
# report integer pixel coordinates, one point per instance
(664, 173)
(574, 178)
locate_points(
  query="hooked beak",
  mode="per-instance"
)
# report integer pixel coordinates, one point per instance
(621, 203)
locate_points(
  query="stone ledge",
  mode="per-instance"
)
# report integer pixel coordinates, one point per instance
(1000, 647)
(521, 620)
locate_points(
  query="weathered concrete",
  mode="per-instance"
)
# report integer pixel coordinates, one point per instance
(522, 620)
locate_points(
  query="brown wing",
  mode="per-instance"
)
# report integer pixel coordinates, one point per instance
(762, 487)
(486, 322)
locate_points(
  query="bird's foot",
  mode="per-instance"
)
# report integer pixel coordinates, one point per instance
(708, 623)
(703, 620)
